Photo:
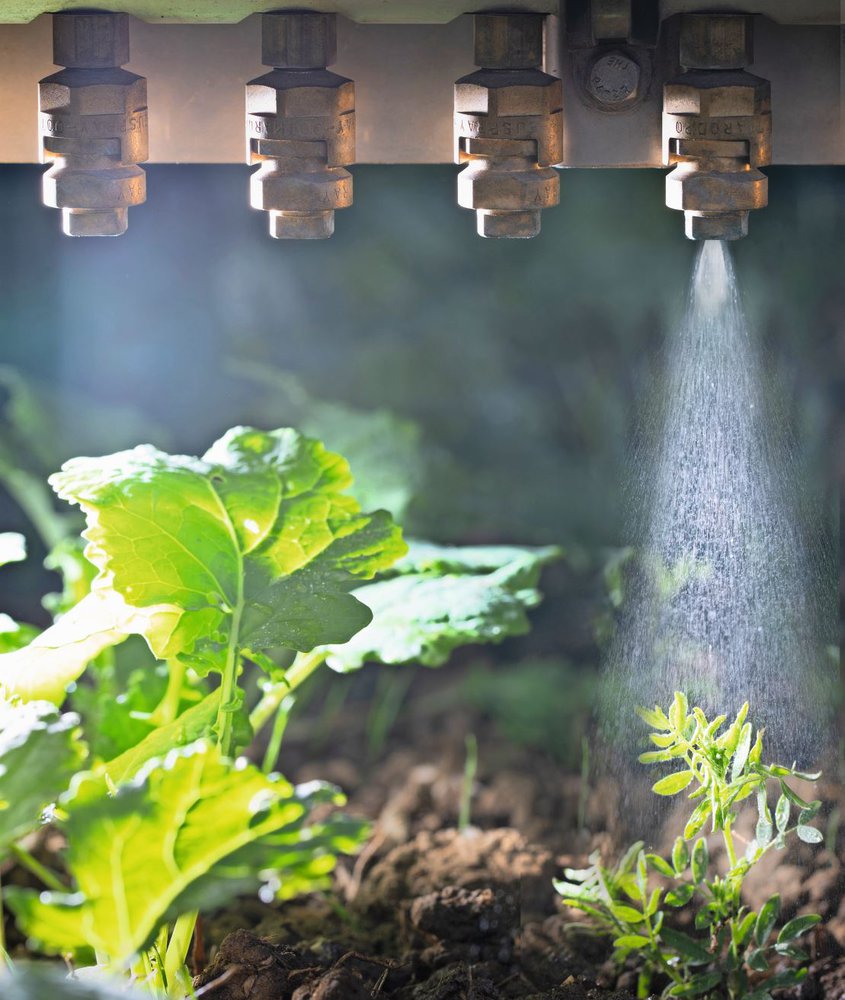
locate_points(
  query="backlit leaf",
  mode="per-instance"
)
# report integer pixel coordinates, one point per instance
(39, 753)
(809, 834)
(672, 783)
(629, 941)
(257, 543)
(782, 813)
(438, 599)
(698, 819)
(700, 861)
(136, 855)
(796, 927)
(680, 856)
(766, 920)
(654, 717)
(743, 749)
(659, 865)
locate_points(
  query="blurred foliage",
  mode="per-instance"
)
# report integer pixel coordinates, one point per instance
(542, 704)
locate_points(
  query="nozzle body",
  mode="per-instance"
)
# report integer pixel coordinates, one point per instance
(508, 128)
(717, 128)
(300, 127)
(93, 125)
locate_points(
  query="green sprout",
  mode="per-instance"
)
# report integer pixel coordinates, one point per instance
(730, 949)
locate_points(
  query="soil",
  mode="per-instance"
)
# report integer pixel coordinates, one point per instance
(428, 913)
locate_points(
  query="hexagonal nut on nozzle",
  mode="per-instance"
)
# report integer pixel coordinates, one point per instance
(94, 190)
(298, 39)
(275, 190)
(483, 187)
(691, 189)
(121, 93)
(613, 79)
(90, 39)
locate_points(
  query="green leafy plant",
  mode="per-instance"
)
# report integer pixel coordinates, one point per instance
(248, 567)
(730, 950)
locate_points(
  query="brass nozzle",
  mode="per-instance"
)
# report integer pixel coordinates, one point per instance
(508, 128)
(300, 127)
(717, 128)
(93, 125)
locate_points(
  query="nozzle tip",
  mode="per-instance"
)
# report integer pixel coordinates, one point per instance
(508, 225)
(94, 222)
(301, 225)
(716, 226)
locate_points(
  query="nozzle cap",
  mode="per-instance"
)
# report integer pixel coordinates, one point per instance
(301, 225)
(725, 226)
(88, 222)
(508, 225)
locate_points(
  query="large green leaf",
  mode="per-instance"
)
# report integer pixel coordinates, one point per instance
(139, 856)
(59, 654)
(440, 598)
(37, 981)
(193, 724)
(384, 449)
(39, 753)
(254, 544)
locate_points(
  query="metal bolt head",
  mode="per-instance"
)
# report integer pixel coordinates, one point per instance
(298, 40)
(613, 79)
(90, 39)
(509, 41)
(716, 41)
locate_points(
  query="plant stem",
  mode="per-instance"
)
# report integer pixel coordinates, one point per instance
(229, 685)
(271, 754)
(470, 767)
(33, 865)
(274, 694)
(175, 959)
(168, 708)
(302, 667)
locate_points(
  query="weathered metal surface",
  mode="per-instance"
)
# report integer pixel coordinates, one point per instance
(404, 92)
(412, 11)
(93, 125)
(717, 128)
(508, 128)
(300, 127)
(232, 11)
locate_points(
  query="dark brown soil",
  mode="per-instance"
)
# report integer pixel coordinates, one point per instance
(427, 913)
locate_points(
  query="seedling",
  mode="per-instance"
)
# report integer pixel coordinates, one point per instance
(730, 949)
(253, 559)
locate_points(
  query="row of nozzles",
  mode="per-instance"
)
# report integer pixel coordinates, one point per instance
(300, 126)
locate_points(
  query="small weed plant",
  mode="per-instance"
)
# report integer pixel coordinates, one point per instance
(728, 949)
